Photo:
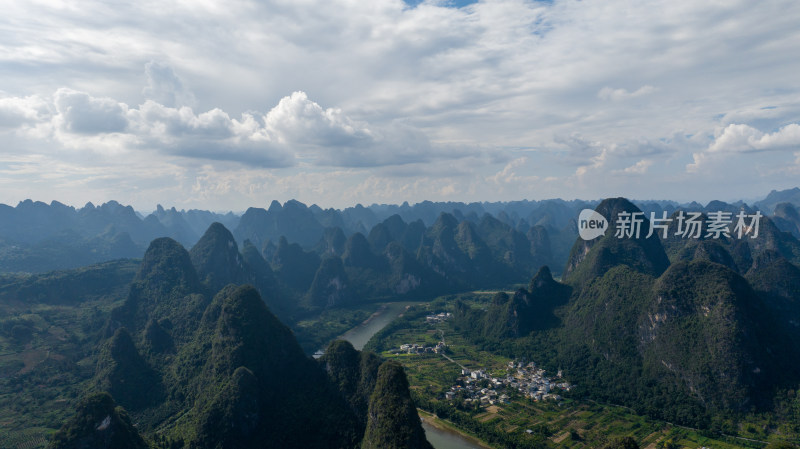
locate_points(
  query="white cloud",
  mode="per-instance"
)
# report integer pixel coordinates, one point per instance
(329, 137)
(299, 120)
(593, 164)
(741, 138)
(164, 86)
(19, 111)
(608, 93)
(297, 128)
(767, 115)
(509, 175)
(83, 114)
(593, 155)
(161, 121)
(638, 168)
(391, 86)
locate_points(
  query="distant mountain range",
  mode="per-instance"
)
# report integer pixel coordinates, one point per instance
(36, 237)
(190, 346)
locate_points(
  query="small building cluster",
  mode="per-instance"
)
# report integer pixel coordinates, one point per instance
(438, 318)
(478, 386)
(413, 348)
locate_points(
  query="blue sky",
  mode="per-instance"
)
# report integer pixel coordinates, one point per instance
(225, 105)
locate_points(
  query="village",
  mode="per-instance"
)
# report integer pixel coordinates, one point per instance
(478, 386)
(413, 348)
(526, 379)
(438, 318)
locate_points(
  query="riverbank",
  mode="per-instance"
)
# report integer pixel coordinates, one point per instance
(354, 332)
(360, 335)
(444, 428)
(441, 434)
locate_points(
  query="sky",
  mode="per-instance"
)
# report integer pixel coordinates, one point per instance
(226, 105)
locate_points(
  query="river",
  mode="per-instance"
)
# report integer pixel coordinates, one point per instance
(360, 335)
(443, 439)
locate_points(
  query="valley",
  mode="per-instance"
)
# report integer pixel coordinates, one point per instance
(574, 421)
(400, 224)
(486, 327)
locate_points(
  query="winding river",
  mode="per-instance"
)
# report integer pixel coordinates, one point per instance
(443, 439)
(360, 335)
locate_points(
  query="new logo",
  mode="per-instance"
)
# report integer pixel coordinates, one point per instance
(591, 224)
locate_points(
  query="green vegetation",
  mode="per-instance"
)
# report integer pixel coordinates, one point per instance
(122, 372)
(197, 361)
(98, 423)
(216, 258)
(392, 417)
(331, 286)
(47, 343)
(685, 343)
(200, 373)
(629, 443)
(69, 287)
(315, 331)
(591, 259)
(66, 250)
(574, 422)
(353, 373)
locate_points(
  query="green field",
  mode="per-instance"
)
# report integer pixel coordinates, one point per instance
(570, 423)
(45, 363)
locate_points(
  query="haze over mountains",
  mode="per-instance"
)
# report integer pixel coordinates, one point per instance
(195, 344)
(37, 237)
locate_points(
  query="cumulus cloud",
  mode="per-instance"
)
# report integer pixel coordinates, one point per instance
(299, 120)
(741, 138)
(401, 87)
(19, 111)
(296, 129)
(158, 120)
(212, 135)
(330, 137)
(103, 125)
(744, 138)
(83, 114)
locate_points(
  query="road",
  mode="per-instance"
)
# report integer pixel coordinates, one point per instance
(445, 355)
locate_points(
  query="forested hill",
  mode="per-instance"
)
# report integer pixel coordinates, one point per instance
(690, 330)
(202, 367)
(37, 237)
